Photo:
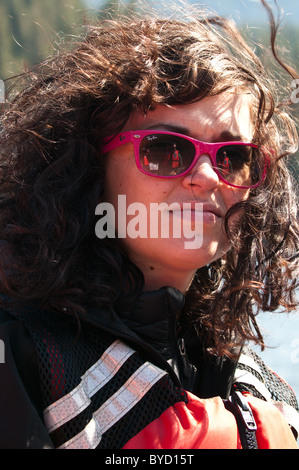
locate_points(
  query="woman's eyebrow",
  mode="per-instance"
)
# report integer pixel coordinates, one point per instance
(169, 127)
(227, 136)
(224, 136)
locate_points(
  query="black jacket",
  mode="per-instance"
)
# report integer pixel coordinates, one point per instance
(47, 355)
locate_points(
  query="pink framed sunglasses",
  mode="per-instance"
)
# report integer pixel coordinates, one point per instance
(164, 154)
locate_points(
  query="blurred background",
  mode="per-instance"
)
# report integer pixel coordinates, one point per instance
(31, 30)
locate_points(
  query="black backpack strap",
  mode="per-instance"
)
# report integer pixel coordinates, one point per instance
(239, 406)
(254, 376)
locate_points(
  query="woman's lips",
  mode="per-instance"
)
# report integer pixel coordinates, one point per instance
(205, 213)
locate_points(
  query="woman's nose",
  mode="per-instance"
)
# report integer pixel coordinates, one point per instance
(203, 174)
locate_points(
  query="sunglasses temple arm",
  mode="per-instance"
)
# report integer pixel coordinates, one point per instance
(110, 143)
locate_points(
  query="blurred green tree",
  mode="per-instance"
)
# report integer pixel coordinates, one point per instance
(29, 29)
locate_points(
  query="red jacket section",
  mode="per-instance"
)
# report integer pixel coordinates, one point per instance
(273, 432)
(206, 424)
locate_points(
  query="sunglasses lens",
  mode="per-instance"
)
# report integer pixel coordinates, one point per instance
(241, 165)
(165, 155)
(171, 155)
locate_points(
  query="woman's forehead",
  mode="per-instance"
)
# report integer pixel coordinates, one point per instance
(207, 119)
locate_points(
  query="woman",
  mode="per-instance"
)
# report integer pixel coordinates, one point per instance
(118, 334)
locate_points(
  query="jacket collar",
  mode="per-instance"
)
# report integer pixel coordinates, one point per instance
(149, 322)
(153, 316)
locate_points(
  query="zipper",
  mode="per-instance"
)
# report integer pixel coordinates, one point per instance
(244, 410)
(188, 370)
(181, 364)
(183, 355)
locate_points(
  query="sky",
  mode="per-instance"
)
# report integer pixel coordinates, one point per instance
(240, 10)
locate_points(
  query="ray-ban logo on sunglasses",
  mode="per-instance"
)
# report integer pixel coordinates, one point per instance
(158, 221)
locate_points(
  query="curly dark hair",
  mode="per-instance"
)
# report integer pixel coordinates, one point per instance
(52, 173)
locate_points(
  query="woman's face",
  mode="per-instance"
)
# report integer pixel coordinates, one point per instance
(170, 260)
